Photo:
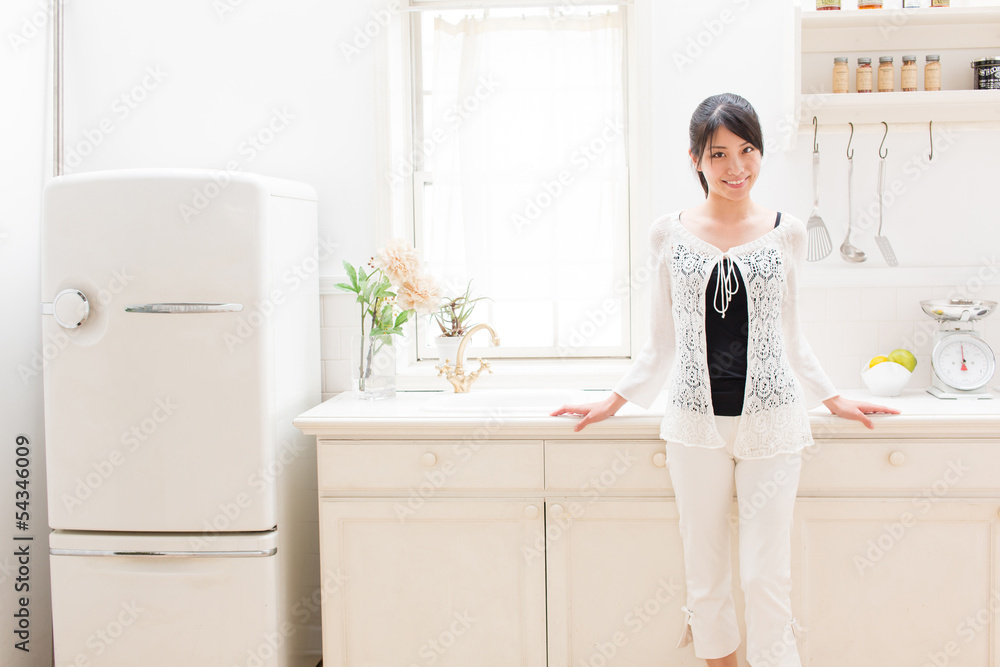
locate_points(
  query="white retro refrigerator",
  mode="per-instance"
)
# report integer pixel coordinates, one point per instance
(180, 327)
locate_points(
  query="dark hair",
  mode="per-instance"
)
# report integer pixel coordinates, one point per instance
(727, 110)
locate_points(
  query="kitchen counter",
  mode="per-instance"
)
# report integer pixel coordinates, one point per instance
(513, 413)
(435, 506)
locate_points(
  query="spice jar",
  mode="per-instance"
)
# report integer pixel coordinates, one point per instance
(840, 83)
(863, 76)
(827, 4)
(869, 4)
(908, 73)
(932, 73)
(886, 75)
(986, 74)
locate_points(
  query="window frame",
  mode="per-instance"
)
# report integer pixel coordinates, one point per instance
(395, 214)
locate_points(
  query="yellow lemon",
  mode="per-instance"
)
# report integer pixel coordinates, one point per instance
(904, 358)
(877, 360)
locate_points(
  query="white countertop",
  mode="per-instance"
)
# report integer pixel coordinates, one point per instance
(514, 413)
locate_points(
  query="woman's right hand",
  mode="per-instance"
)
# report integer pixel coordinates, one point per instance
(592, 412)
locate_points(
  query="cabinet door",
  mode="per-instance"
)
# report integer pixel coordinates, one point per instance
(616, 583)
(457, 584)
(895, 582)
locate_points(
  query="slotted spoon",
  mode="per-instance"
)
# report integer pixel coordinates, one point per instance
(817, 235)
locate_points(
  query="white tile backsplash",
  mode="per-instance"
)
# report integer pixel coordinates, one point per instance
(845, 326)
(329, 343)
(842, 304)
(878, 304)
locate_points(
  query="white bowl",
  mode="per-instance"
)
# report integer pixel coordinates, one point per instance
(886, 379)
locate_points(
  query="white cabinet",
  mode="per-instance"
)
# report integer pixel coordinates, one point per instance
(615, 582)
(539, 547)
(896, 582)
(452, 584)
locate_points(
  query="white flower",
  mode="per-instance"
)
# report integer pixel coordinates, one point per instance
(398, 260)
(419, 292)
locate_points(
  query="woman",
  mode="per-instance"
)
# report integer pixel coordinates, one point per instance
(727, 342)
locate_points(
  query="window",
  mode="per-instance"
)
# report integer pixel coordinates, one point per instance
(518, 170)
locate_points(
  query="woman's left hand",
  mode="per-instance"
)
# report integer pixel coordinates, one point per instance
(856, 410)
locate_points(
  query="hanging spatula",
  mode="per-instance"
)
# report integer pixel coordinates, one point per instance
(883, 241)
(817, 235)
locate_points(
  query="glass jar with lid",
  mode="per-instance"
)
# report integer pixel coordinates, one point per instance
(840, 82)
(863, 76)
(932, 72)
(908, 74)
(886, 75)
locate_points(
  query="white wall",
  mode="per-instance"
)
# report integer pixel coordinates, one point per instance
(229, 73)
(224, 67)
(24, 165)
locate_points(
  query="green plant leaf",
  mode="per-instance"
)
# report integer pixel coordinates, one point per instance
(346, 287)
(351, 273)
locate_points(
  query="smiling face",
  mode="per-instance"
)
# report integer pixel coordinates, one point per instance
(730, 165)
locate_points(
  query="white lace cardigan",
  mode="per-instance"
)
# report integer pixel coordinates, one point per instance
(783, 374)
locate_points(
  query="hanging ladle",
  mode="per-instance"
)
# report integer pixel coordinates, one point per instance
(849, 252)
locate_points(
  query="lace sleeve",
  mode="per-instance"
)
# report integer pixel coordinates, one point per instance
(816, 386)
(649, 371)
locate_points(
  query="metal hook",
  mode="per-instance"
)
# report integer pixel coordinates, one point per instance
(930, 129)
(880, 154)
(850, 153)
(815, 130)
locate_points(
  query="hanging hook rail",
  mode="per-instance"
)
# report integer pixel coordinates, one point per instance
(850, 152)
(930, 129)
(880, 153)
(815, 130)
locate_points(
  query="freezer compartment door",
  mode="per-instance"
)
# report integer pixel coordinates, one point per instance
(158, 386)
(202, 610)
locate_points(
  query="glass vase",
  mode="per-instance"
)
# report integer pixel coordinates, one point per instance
(373, 366)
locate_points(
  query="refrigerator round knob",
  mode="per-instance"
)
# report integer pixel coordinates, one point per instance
(70, 308)
(428, 459)
(660, 459)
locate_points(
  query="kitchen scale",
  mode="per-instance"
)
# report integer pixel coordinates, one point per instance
(962, 362)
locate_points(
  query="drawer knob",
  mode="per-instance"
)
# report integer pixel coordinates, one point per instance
(556, 510)
(428, 459)
(531, 511)
(897, 458)
(660, 459)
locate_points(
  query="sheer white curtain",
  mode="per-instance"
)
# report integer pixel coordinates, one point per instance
(524, 143)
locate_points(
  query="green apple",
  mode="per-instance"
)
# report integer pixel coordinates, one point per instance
(904, 358)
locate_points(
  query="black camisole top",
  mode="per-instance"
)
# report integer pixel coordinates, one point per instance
(726, 337)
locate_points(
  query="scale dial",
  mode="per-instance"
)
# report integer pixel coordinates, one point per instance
(963, 361)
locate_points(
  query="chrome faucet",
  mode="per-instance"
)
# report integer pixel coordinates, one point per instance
(456, 376)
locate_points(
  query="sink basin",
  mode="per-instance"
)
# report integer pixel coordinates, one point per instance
(509, 401)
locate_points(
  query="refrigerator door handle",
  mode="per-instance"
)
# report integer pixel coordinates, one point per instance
(262, 553)
(70, 308)
(178, 308)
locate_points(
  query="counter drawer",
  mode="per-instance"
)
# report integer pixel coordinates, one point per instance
(607, 467)
(933, 469)
(446, 465)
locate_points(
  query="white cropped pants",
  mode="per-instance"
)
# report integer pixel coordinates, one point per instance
(703, 481)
